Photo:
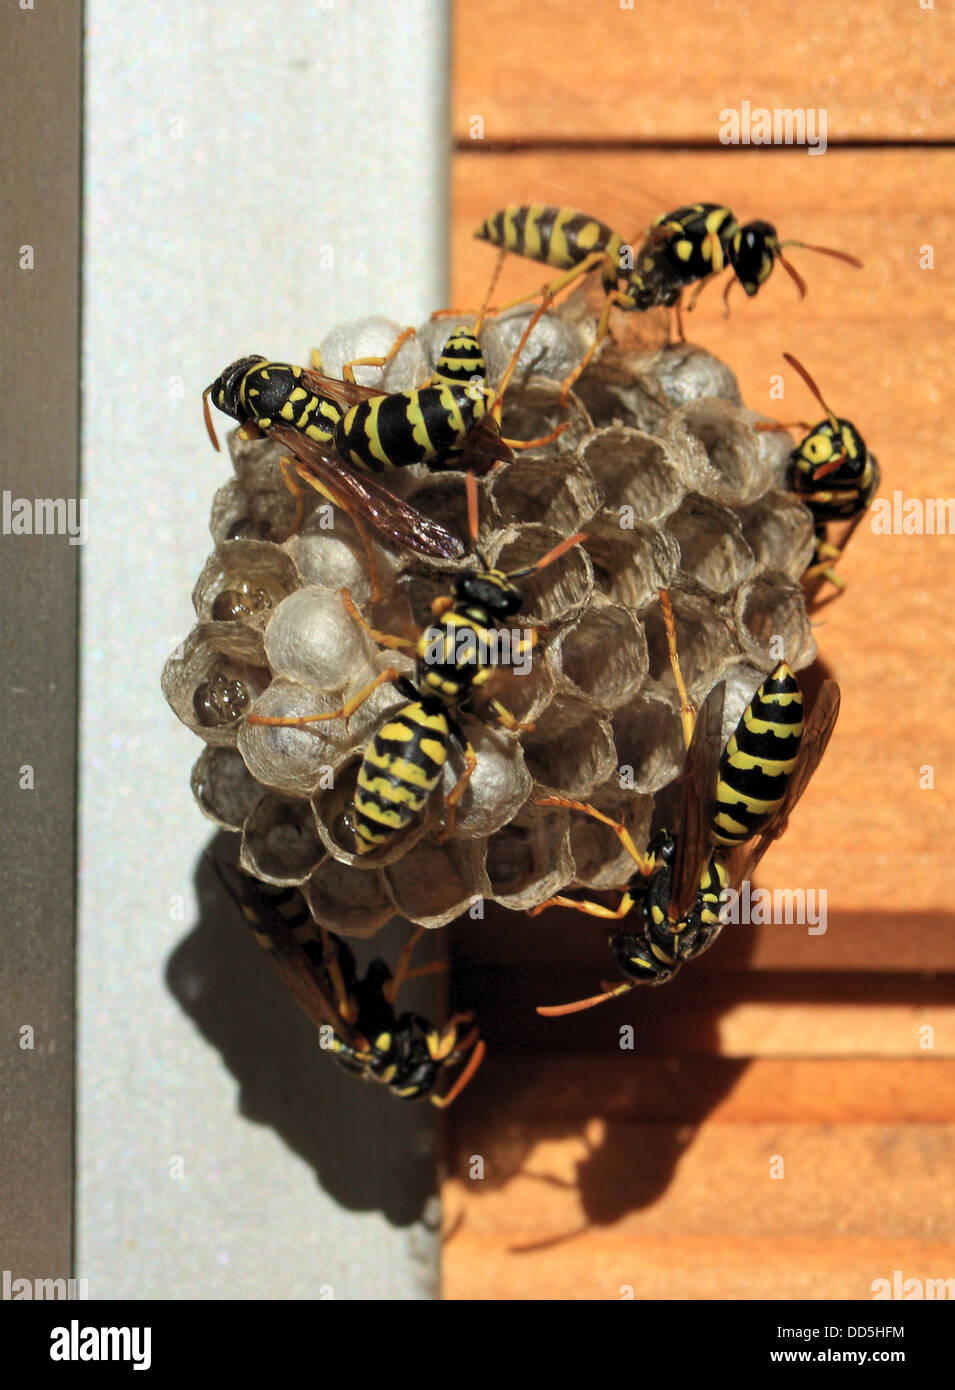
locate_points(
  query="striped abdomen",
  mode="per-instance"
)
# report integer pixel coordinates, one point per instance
(461, 361)
(560, 237)
(759, 759)
(272, 393)
(402, 765)
(409, 426)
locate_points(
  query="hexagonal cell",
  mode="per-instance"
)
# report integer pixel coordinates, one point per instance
(772, 607)
(634, 471)
(572, 751)
(719, 452)
(280, 843)
(534, 411)
(774, 446)
(212, 681)
(313, 639)
(294, 761)
(779, 532)
(648, 738)
(704, 641)
(560, 590)
(529, 860)
(557, 491)
(641, 388)
(438, 881)
(499, 784)
(601, 860)
(374, 336)
(242, 582)
(605, 656)
(553, 350)
(329, 552)
(224, 788)
(713, 551)
(347, 901)
(630, 563)
(256, 504)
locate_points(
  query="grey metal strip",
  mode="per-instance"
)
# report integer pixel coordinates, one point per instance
(39, 368)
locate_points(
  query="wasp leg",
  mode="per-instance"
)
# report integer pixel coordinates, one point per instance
(290, 466)
(475, 1060)
(348, 370)
(391, 988)
(347, 1006)
(339, 501)
(554, 287)
(505, 717)
(384, 639)
(687, 712)
(346, 711)
(614, 298)
(587, 905)
(457, 791)
(618, 828)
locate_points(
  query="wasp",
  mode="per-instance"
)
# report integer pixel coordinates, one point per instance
(689, 245)
(834, 454)
(736, 800)
(339, 433)
(356, 1016)
(404, 760)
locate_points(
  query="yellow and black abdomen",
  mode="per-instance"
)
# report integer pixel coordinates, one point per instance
(461, 362)
(408, 427)
(758, 761)
(401, 766)
(559, 237)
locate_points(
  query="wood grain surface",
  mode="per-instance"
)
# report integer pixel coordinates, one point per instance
(649, 1168)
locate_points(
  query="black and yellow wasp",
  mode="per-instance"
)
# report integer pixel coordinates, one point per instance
(736, 800)
(680, 248)
(834, 474)
(339, 433)
(404, 760)
(356, 1017)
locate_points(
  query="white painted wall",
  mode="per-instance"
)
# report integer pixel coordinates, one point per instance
(226, 146)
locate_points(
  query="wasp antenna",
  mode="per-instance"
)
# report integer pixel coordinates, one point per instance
(550, 557)
(827, 251)
(793, 274)
(558, 1010)
(207, 416)
(794, 362)
(475, 1060)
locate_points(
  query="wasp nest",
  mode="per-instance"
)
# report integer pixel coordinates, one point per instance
(661, 467)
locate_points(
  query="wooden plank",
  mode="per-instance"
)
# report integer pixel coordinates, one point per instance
(690, 1090)
(660, 1177)
(880, 346)
(655, 71)
(610, 1265)
(709, 1013)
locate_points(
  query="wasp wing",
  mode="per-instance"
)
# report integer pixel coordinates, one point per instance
(363, 495)
(287, 949)
(815, 739)
(693, 847)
